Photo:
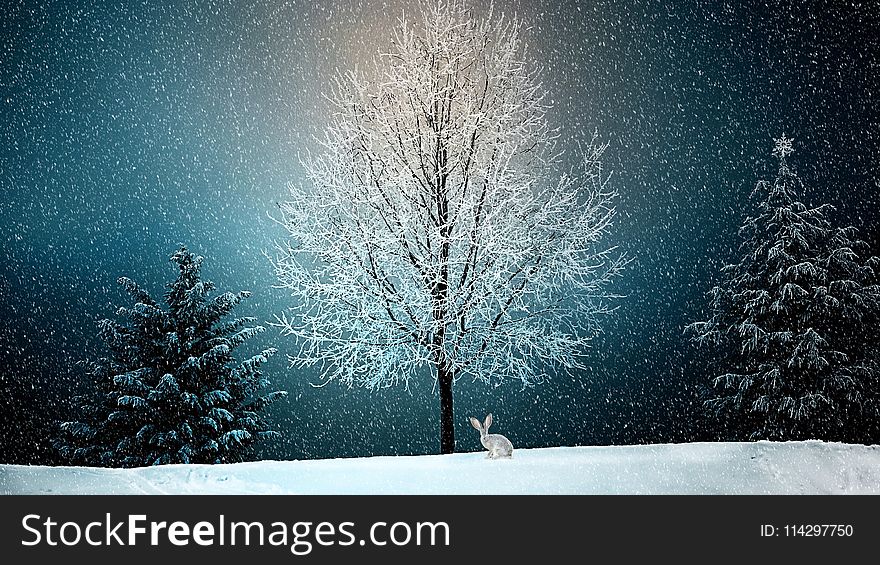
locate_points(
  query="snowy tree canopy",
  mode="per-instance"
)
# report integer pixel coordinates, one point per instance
(795, 321)
(171, 391)
(437, 228)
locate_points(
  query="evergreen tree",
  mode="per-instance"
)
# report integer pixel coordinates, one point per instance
(794, 322)
(170, 390)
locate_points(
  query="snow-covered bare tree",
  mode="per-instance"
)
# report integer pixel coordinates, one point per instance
(794, 322)
(438, 232)
(170, 391)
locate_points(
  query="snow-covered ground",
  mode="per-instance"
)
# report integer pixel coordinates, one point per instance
(696, 468)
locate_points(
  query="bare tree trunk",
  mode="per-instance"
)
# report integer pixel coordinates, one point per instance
(447, 423)
(441, 312)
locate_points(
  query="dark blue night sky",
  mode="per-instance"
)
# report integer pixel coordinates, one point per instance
(131, 128)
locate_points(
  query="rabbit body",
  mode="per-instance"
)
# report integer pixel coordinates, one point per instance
(497, 445)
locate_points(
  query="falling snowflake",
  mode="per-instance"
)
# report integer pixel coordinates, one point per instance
(782, 147)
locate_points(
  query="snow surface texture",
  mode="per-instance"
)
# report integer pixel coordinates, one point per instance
(810, 467)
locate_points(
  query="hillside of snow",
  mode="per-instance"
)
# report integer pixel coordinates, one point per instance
(696, 468)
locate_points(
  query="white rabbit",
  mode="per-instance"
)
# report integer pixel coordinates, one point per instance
(497, 444)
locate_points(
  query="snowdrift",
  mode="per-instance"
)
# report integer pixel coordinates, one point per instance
(696, 468)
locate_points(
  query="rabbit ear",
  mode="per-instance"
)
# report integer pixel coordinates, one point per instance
(488, 420)
(475, 423)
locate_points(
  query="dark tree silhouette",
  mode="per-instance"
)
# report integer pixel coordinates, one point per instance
(794, 322)
(170, 390)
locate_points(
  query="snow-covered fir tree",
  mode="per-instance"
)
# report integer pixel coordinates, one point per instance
(794, 322)
(170, 390)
